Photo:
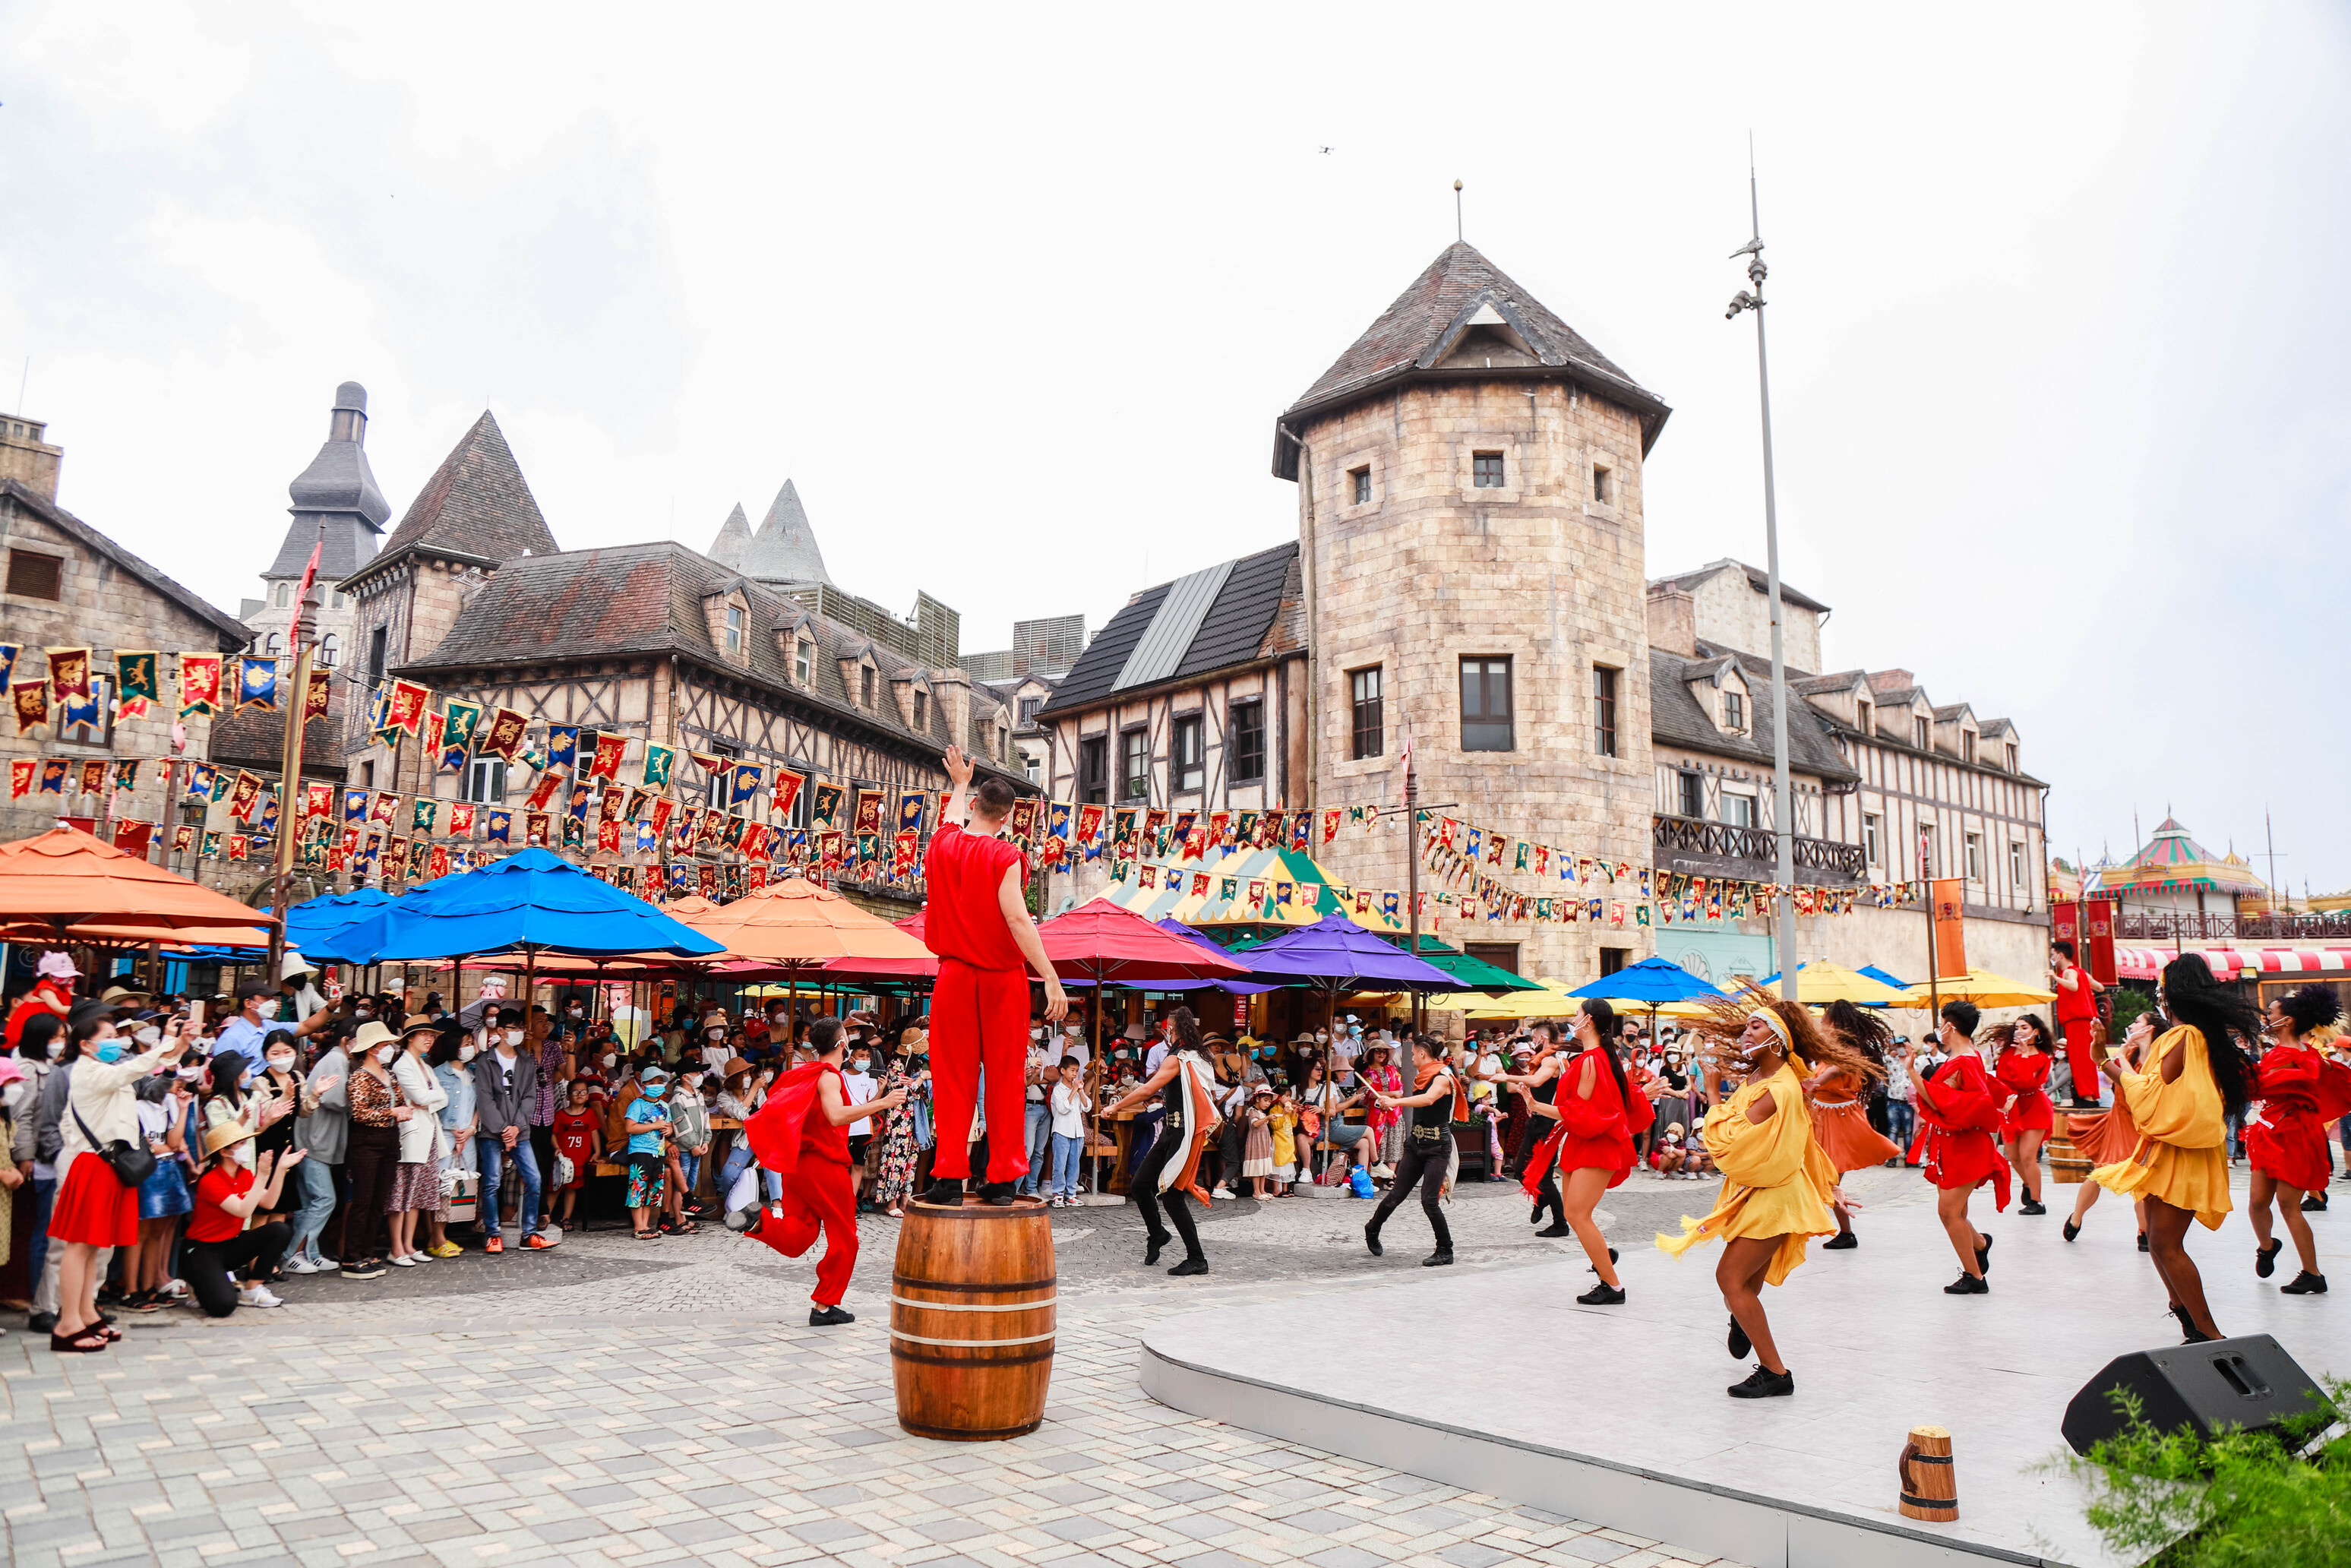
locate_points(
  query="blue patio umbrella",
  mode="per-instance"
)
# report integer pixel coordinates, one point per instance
(530, 903)
(1883, 978)
(314, 924)
(1658, 980)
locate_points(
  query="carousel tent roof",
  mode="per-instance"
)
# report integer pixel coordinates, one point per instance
(2174, 861)
(1312, 892)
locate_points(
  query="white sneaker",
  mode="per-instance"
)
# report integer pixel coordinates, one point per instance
(258, 1295)
(304, 1266)
(403, 1262)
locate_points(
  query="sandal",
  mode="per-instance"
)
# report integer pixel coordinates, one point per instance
(81, 1344)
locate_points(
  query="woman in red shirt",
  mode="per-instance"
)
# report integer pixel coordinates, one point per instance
(2285, 1129)
(1960, 1111)
(2022, 1070)
(1599, 1115)
(218, 1243)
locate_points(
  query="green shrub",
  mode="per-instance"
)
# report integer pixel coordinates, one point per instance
(2129, 1003)
(2247, 1499)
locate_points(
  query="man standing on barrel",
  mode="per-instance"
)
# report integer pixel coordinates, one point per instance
(978, 926)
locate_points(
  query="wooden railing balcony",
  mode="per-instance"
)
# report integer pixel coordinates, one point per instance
(2166, 925)
(1729, 843)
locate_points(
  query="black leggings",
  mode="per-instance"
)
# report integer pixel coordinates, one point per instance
(1145, 1186)
(1425, 1168)
(211, 1264)
(1547, 1193)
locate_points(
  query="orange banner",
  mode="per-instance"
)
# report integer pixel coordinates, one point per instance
(1950, 929)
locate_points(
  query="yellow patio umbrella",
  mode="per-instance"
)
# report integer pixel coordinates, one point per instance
(1819, 983)
(1980, 987)
(1551, 1003)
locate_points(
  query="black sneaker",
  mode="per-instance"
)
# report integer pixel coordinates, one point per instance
(1601, 1295)
(1969, 1285)
(2314, 1203)
(1843, 1241)
(1439, 1259)
(2030, 1206)
(2072, 1230)
(1190, 1266)
(742, 1219)
(998, 1194)
(1984, 1257)
(1153, 1245)
(947, 1192)
(41, 1323)
(1555, 1231)
(2305, 1283)
(366, 1269)
(1372, 1241)
(1739, 1341)
(828, 1317)
(1594, 1269)
(1763, 1385)
(2266, 1258)
(2142, 1241)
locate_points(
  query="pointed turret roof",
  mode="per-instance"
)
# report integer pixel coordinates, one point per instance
(783, 549)
(336, 499)
(476, 507)
(734, 538)
(1459, 291)
(2173, 860)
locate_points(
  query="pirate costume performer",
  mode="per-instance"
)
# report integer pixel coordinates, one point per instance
(2302, 1090)
(1431, 1159)
(1777, 1181)
(1598, 1114)
(1186, 1085)
(1959, 1112)
(801, 1135)
(2181, 1092)
(1841, 1110)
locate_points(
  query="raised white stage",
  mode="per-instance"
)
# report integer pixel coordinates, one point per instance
(1617, 1415)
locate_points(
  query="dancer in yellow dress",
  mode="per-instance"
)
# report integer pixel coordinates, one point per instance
(2180, 1087)
(1778, 1183)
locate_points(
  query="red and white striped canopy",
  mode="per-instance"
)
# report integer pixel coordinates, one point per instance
(2146, 963)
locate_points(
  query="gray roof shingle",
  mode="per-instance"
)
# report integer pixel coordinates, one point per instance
(1234, 631)
(476, 507)
(1675, 718)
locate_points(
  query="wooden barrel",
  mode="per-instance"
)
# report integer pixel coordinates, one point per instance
(1930, 1484)
(2067, 1164)
(971, 1320)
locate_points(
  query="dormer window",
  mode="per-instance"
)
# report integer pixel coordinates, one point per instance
(1864, 720)
(1968, 745)
(734, 628)
(2012, 757)
(803, 661)
(1734, 713)
(865, 687)
(922, 709)
(1922, 733)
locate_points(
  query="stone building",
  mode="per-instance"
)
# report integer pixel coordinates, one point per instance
(66, 584)
(338, 511)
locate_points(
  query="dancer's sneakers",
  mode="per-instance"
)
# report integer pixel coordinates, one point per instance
(1153, 1245)
(2030, 1206)
(1601, 1295)
(2314, 1203)
(1969, 1285)
(1763, 1385)
(1739, 1341)
(998, 1194)
(946, 1191)
(1843, 1241)
(2305, 1283)
(1559, 1230)
(1372, 1241)
(2072, 1230)
(829, 1317)
(1984, 1257)
(1190, 1266)
(1439, 1259)
(2266, 1258)
(742, 1219)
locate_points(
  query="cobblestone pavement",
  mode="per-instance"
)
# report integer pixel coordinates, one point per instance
(643, 1403)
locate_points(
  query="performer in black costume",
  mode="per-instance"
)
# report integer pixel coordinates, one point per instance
(1186, 1084)
(1542, 1086)
(1430, 1156)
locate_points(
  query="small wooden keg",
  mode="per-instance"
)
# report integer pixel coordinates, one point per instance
(972, 1319)
(1930, 1484)
(2068, 1165)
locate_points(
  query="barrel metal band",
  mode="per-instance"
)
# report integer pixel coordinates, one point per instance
(968, 1343)
(1949, 1502)
(1927, 1458)
(960, 1288)
(899, 1300)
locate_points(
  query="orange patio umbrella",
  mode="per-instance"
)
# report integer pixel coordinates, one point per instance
(64, 879)
(796, 925)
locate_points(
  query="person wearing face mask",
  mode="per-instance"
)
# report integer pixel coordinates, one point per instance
(378, 1110)
(37, 1142)
(1037, 1115)
(416, 1184)
(238, 1183)
(276, 1097)
(452, 1059)
(95, 1212)
(506, 1084)
(689, 1123)
(322, 1130)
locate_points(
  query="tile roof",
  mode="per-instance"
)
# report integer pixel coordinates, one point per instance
(476, 505)
(1675, 718)
(1416, 330)
(1757, 578)
(1241, 624)
(647, 599)
(234, 634)
(251, 739)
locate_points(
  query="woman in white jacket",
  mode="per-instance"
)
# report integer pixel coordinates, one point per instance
(416, 1184)
(93, 1211)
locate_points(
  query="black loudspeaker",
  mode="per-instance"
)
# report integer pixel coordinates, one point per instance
(2249, 1383)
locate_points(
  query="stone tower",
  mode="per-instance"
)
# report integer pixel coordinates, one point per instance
(1469, 515)
(338, 511)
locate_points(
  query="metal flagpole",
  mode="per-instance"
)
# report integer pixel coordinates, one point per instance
(1783, 805)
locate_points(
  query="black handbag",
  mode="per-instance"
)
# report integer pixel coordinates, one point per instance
(132, 1162)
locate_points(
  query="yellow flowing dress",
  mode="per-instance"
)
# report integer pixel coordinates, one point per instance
(2183, 1156)
(1776, 1176)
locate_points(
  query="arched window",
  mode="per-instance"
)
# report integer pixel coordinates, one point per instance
(276, 645)
(327, 650)
(283, 595)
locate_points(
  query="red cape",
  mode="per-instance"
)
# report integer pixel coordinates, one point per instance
(778, 1128)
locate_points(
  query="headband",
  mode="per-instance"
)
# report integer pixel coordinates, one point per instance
(1778, 1026)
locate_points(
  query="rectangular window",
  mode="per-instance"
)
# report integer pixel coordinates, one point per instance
(367, 775)
(1034, 764)
(1968, 745)
(1928, 865)
(2012, 757)
(484, 779)
(1613, 959)
(1739, 811)
(734, 628)
(36, 576)
(715, 793)
(1922, 735)
(1486, 705)
(865, 687)
(1689, 794)
(1360, 484)
(2016, 862)
(1865, 726)
(1603, 711)
(1602, 490)
(378, 645)
(803, 661)
(1134, 765)
(1486, 470)
(922, 710)
(1871, 846)
(1370, 732)
(1187, 771)
(1501, 954)
(1734, 713)
(1028, 706)
(1975, 857)
(1244, 743)
(1093, 769)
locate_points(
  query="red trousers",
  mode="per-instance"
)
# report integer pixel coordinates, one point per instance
(2087, 1084)
(980, 1017)
(820, 1195)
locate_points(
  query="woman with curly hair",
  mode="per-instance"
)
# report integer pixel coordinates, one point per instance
(2182, 1087)
(1778, 1183)
(2285, 1129)
(2025, 1119)
(1841, 1107)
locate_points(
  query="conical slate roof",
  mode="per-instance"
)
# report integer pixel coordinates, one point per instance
(339, 492)
(477, 504)
(734, 538)
(783, 549)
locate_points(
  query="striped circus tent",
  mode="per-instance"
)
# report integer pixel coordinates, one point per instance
(1293, 890)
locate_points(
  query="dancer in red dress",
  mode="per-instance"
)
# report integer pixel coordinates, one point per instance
(1599, 1116)
(2300, 1089)
(2102, 1137)
(1960, 1111)
(978, 926)
(1840, 1108)
(2027, 1117)
(800, 1135)
(2077, 1011)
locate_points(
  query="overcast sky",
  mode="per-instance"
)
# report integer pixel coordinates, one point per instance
(2060, 335)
